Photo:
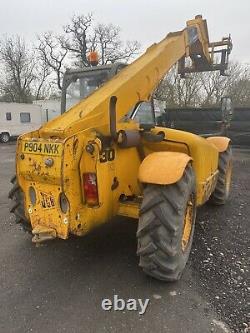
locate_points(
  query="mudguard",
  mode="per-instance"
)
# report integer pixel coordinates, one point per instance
(163, 168)
(220, 142)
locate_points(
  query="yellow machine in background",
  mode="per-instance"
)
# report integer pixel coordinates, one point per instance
(95, 161)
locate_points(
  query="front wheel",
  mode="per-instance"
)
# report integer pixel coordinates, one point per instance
(166, 227)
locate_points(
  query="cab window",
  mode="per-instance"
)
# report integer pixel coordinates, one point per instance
(144, 113)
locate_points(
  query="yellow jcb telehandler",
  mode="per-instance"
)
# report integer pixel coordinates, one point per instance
(104, 156)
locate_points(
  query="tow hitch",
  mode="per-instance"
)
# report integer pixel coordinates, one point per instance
(43, 234)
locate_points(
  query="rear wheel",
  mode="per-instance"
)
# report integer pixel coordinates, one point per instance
(17, 205)
(166, 227)
(222, 188)
(4, 137)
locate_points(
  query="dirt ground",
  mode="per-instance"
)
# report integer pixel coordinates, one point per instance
(220, 257)
(59, 287)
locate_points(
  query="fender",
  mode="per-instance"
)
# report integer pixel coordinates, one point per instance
(220, 142)
(163, 168)
(5, 131)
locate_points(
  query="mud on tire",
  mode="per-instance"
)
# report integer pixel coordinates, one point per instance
(161, 227)
(17, 205)
(222, 188)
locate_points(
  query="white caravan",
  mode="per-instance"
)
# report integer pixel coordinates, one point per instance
(18, 118)
(50, 108)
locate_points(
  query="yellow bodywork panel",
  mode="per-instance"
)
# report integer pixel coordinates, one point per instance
(220, 142)
(46, 180)
(204, 157)
(163, 168)
(129, 209)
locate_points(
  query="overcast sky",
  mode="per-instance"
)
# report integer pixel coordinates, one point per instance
(147, 21)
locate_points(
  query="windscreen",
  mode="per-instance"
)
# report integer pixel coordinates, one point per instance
(83, 87)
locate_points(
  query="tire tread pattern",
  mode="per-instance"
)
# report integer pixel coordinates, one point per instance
(160, 228)
(219, 196)
(17, 205)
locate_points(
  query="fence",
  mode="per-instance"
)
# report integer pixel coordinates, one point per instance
(209, 120)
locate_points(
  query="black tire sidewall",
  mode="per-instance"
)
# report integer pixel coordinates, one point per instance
(161, 226)
(2, 135)
(220, 193)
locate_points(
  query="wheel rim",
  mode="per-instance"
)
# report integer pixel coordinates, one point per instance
(228, 177)
(188, 223)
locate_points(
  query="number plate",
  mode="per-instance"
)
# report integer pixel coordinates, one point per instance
(42, 148)
(47, 200)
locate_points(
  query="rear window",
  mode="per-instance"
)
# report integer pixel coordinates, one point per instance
(8, 115)
(25, 117)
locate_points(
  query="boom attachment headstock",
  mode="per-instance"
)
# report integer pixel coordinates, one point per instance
(204, 55)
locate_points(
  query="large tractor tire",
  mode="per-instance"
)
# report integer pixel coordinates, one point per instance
(222, 188)
(166, 227)
(17, 205)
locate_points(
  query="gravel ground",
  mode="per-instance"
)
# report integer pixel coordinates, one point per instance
(220, 255)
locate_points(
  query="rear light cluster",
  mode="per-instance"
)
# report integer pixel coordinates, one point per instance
(90, 189)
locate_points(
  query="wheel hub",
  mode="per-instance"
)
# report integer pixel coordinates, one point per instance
(188, 223)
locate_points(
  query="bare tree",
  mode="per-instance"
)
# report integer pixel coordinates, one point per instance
(78, 39)
(215, 86)
(52, 54)
(240, 89)
(206, 89)
(56, 52)
(18, 65)
(106, 40)
(41, 85)
(82, 37)
(24, 77)
(31, 73)
(177, 91)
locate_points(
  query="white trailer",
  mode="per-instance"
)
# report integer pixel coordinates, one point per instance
(18, 118)
(50, 108)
